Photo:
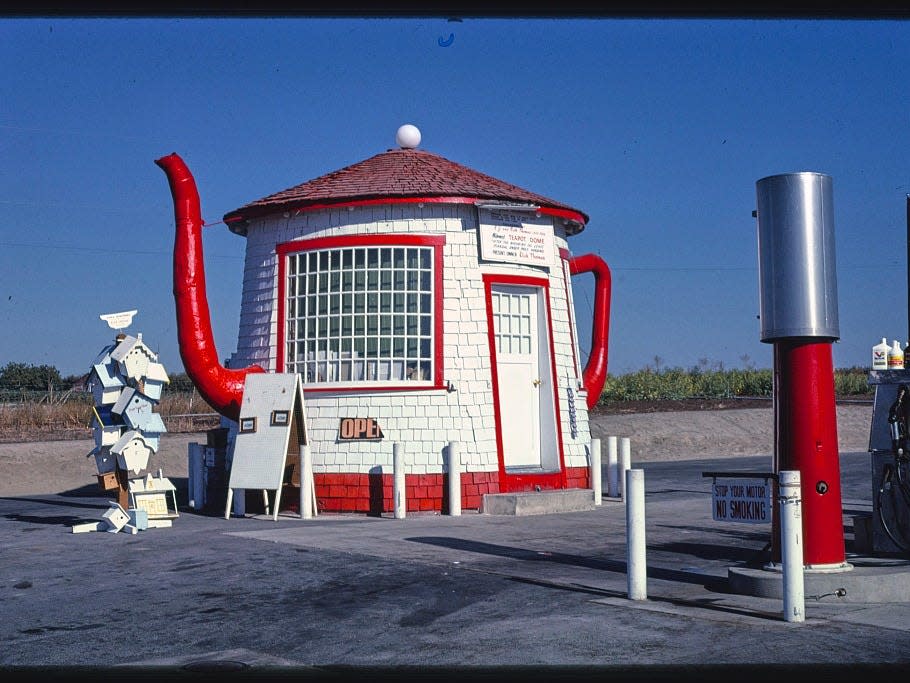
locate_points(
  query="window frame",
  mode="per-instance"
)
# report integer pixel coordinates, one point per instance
(295, 247)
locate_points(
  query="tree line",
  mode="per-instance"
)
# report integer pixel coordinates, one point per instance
(26, 377)
(650, 383)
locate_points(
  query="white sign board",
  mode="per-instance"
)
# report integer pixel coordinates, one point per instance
(510, 237)
(741, 500)
(118, 321)
(271, 412)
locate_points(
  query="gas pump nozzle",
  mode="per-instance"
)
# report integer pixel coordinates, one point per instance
(897, 421)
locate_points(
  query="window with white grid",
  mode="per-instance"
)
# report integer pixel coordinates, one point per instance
(360, 315)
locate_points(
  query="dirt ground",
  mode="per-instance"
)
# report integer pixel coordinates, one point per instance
(716, 433)
(691, 431)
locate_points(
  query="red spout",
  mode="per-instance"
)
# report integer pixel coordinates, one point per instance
(595, 372)
(220, 387)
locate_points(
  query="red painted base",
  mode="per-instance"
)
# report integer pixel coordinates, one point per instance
(373, 493)
(805, 439)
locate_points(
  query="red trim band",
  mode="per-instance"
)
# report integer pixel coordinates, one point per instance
(267, 209)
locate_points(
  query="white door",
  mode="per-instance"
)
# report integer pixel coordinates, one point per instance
(524, 389)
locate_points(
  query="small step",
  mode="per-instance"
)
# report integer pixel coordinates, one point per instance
(538, 502)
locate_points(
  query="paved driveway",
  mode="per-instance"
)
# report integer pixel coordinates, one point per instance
(320, 595)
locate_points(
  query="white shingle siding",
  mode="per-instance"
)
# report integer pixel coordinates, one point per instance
(423, 421)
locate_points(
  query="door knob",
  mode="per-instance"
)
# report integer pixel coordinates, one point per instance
(536, 382)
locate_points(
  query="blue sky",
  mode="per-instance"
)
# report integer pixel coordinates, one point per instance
(658, 129)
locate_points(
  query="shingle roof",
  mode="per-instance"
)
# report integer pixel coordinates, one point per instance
(396, 173)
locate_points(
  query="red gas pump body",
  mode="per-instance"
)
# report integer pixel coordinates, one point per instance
(805, 435)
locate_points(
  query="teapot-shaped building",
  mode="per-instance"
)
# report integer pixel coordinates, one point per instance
(422, 303)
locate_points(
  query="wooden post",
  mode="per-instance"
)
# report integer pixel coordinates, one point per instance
(123, 488)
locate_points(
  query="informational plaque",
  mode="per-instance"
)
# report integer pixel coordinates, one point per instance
(511, 237)
(741, 500)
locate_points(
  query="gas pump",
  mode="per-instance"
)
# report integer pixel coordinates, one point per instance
(897, 421)
(888, 446)
(798, 313)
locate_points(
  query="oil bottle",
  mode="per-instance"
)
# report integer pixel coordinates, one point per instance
(880, 355)
(896, 357)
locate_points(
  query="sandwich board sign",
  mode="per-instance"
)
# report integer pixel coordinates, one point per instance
(271, 427)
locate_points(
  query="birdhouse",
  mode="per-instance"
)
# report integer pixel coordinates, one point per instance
(132, 451)
(104, 460)
(116, 518)
(106, 435)
(106, 382)
(155, 379)
(136, 409)
(133, 357)
(152, 429)
(133, 407)
(106, 426)
(139, 518)
(151, 493)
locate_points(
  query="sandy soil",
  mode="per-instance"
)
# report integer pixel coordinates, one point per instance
(717, 433)
(56, 466)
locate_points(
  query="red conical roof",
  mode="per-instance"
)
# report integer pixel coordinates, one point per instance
(399, 174)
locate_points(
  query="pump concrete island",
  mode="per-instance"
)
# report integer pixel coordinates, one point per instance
(798, 315)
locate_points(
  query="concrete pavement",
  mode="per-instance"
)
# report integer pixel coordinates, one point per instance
(317, 597)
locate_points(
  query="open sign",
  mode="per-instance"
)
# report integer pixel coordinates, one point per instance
(359, 429)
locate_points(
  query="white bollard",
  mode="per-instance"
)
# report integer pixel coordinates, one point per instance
(398, 474)
(306, 482)
(596, 473)
(612, 468)
(791, 528)
(454, 478)
(636, 563)
(625, 461)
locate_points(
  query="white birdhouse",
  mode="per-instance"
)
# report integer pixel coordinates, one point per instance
(155, 379)
(134, 407)
(106, 382)
(132, 451)
(133, 357)
(151, 494)
(116, 518)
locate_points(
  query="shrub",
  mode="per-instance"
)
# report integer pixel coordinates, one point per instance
(700, 382)
(851, 382)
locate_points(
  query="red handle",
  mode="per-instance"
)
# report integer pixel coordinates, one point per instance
(595, 372)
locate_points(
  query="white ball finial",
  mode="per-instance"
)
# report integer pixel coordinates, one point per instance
(408, 136)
